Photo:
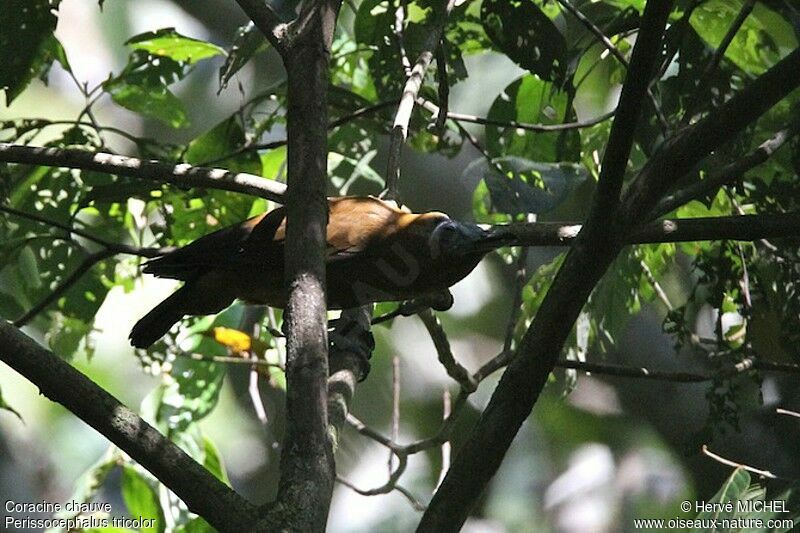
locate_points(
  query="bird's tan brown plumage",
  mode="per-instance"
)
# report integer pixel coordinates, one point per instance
(376, 252)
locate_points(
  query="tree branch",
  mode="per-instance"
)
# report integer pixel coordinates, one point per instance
(680, 155)
(735, 228)
(454, 369)
(728, 174)
(307, 463)
(181, 175)
(267, 21)
(609, 369)
(410, 91)
(606, 42)
(620, 140)
(719, 53)
(88, 262)
(116, 247)
(461, 117)
(590, 256)
(203, 493)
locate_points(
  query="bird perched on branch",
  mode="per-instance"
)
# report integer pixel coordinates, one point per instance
(375, 253)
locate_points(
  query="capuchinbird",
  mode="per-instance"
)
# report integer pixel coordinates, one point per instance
(375, 253)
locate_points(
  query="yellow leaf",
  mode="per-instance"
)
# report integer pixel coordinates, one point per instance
(233, 339)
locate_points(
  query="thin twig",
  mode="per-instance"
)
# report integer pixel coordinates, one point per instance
(271, 145)
(400, 15)
(659, 290)
(728, 175)
(415, 503)
(454, 369)
(541, 128)
(606, 42)
(444, 85)
(255, 396)
(446, 448)
(728, 462)
(88, 262)
(395, 405)
(719, 53)
(115, 247)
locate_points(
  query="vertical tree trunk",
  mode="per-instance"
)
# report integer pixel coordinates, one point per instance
(307, 464)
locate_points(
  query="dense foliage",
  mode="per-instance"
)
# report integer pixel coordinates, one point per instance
(528, 169)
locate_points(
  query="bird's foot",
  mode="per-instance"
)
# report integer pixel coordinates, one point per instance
(351, 339)
(438, 301)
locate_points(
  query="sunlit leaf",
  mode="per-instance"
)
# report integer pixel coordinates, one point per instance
(764, 38)
(141, 499)
(531, 100)
(143, 87)
(213, 461)
(218, 147)
(169, 43)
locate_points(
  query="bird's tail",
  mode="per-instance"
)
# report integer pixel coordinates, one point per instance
(159, 320)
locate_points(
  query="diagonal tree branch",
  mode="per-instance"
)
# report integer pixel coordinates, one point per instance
(88, 262)
(203, 493)
(411, 89)
(680, 155)
(606, 42)
(267, 21)
(182, 175)
(728, 174)
(590, 256)
(620, 141)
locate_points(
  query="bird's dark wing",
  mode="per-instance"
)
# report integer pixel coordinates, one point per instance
(229, 247)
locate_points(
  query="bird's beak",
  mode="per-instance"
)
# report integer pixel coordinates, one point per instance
(491, 239)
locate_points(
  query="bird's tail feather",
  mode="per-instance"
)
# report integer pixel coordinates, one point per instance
(159, 320)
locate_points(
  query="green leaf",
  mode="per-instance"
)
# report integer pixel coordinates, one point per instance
(213, 147)
(153, 101)
(764, 38)
(65, 334)
(141, 499)
(527, 36)
(273, 163)
(733, 488)
(167, 42)
(346, 172)
(249, 42)
(192, 392)
(142, 87)
(531, 100)
(525, 186)
(27, 45)
(213, 461)
(195, 525)
(5, 407)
